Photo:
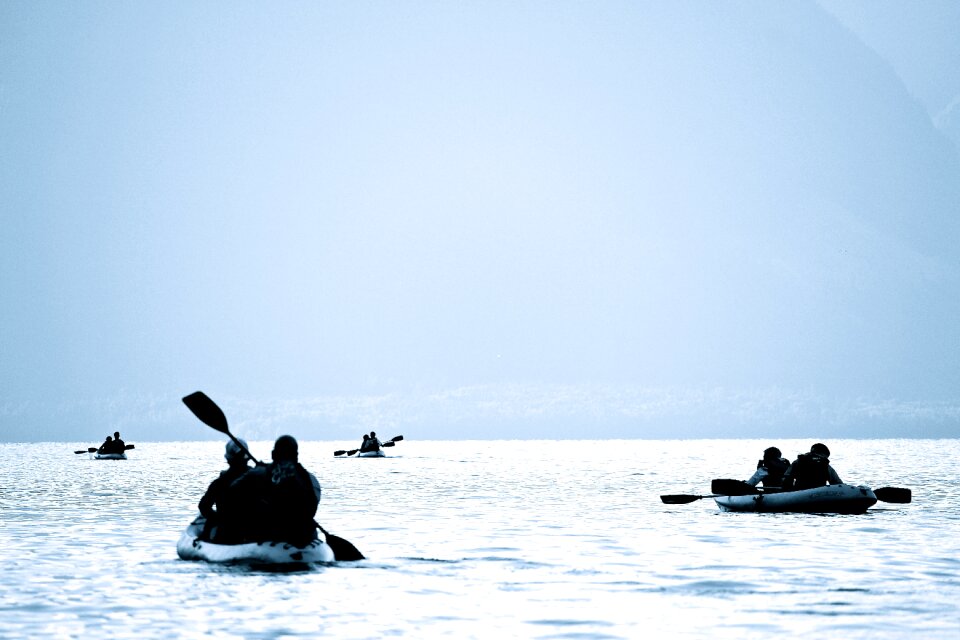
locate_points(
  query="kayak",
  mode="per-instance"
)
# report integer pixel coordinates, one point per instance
(110, 456)
(372, 454)
(190, 547)
(836, 498)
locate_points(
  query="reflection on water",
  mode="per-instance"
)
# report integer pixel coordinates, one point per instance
(486, 539)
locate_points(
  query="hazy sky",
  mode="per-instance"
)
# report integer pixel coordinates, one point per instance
(480, 220)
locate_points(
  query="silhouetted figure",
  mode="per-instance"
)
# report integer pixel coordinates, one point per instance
(119, 446)
(106, 447)
(770, 469)
(210, 503)
(373, 443)
(811, 470)
(363, 445)
(277, 501)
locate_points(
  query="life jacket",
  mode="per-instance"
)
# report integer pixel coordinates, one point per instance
(274, 502)
(775, 470)
(809, 471)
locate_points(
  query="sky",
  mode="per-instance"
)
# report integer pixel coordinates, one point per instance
(480, 220)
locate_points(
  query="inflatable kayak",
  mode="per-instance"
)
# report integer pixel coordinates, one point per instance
(110, 456)
(372, 454)
(190, 547)
(836, 498)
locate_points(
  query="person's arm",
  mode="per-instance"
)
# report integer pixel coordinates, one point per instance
(757, 476)
(207, 501)
(832, 476)
(316, 486)
(787, 483)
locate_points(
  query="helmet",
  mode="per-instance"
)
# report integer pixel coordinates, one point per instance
(820, 449)
(234, 451)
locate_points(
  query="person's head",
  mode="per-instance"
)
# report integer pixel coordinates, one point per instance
(772, 453)
(234, 454)
(116, 434)
(366, 437)
(820, 449)
(373, 434)
(109, 439)
(285, 449)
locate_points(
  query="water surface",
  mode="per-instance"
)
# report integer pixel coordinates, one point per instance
(490, 539)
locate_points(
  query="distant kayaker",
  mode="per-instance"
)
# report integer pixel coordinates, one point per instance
(811, 470)
(212, 500)
(364, 444)
(106, 447)
(770, 469)
(119, 446)
(277, 501)
(373, 443)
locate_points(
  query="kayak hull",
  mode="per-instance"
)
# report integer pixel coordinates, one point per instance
(372, 454)
(110, 456)
(838, 498)
(190, 547)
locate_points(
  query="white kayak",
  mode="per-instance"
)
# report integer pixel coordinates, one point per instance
(190, 547)
(372, 454)
(836, 498)
(110, 456)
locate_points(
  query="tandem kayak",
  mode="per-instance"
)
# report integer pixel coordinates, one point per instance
(372, 454)
(836, 498)
(190, 547)
(110, 456)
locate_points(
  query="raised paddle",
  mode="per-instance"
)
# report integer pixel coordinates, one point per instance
(211, 415)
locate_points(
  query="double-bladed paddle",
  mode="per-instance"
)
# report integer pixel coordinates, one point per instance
(720, 487)
(211, 415)
(392, 442)
(95, 449)
(727, 487)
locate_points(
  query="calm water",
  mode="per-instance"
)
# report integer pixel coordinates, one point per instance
(504, 539)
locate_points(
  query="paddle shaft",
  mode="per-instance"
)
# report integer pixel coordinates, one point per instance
(392, 442)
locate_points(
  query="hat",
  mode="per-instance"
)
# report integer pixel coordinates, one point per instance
(772, 452)
(234, 451)
(820, 449)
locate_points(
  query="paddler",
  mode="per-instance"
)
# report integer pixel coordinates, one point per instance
(811, 470)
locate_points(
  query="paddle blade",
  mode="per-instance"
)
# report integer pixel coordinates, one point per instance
(129, 446)
(389, 443)
(352, 451)
(732, 487)
(679, 499)
(207, 411)
(342, 549)
(84, 451)
(339, 452)
(396, 438)
(895, 495)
